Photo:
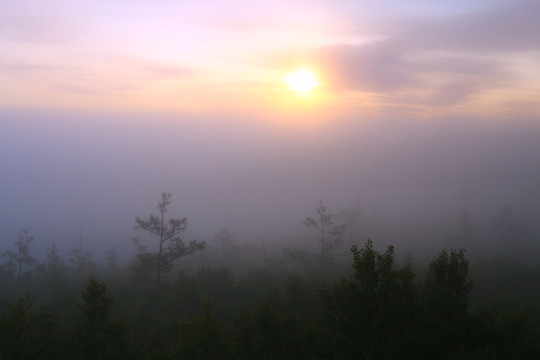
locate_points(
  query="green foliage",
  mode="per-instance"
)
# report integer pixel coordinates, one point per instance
(445, 298)
(199, 338)
(375, 307)
(380, 312)
(98, 336)
(270, 328)
(26, 333)
(447, 287)
(242, 341)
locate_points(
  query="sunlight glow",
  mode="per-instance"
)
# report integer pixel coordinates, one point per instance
(302, 80)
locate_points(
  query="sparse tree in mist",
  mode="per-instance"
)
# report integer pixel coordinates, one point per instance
(464, 227)
(111, 258)
(269, 261)
(330, 234)
(54, 262)
(306, 259)
(55, 270)
(81, 259)
(55, 265)
(170, 247)
(351, 217)
(225, 241)
(509, 231)
(7, 269)
(21, 258)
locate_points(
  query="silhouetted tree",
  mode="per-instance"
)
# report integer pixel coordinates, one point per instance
(351, 217)
(445, 299)
(27, 333)
(55, 270)
(111, 258)
(199, 337)
(330, 234)
(21, 258)
(99, 336)
(54, 262)
(508, 231)
(448, 285)
(375, 308)
(242, 337)
(7, 269)
(306, 259)
(81, 259)
(465, 228)
(225, 241)
(170, 246)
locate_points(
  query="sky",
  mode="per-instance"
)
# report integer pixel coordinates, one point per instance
(422, 58)
(104, 105)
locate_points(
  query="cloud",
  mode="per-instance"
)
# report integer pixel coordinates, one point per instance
(391, 68)
(94, 75)
(439, 62)
(514, 27)
(374, 67)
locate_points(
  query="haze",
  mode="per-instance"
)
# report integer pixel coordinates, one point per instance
(424, 110)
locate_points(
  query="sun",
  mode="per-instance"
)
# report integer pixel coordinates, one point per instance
(302, 80)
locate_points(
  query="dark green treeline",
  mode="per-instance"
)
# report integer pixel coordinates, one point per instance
(384, 310)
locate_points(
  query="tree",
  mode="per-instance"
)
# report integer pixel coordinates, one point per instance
(55, 270)
(29, 333)
(447, 286)
(352, 216)
(465, 228)
(111, 258)
(306, 259)
(225, 241)
(374, 310)
(80, 258)
(21, 257)
(199, 337)
(170, 246)
(508, 230)
(54, 263)
(81, 261)
(330, 234)
(99, 336)
(445, 299)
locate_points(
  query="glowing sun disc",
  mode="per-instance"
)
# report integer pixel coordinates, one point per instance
(302, 80)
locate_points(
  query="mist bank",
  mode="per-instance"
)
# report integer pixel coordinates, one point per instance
(261, 178)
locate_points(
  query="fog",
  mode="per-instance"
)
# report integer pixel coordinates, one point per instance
(413, 178)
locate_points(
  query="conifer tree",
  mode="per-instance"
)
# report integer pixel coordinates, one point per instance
(170, 247)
